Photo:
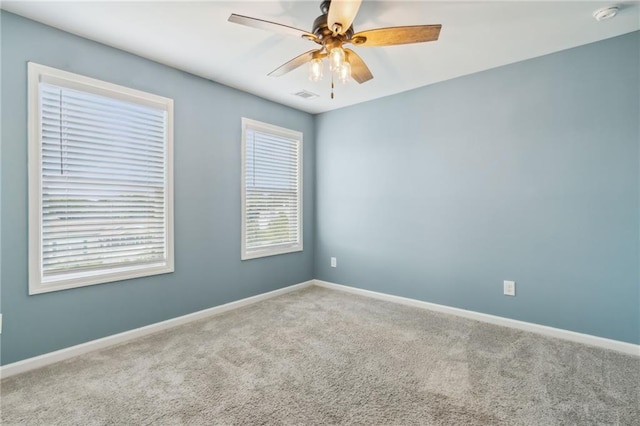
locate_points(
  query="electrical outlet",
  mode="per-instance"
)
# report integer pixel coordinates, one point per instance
(510, 288)
(334, 262)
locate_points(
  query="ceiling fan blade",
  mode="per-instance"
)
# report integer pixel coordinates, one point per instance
(294, 63)
(397, 35)
(359, 70)
(342, 13)
(271, 26)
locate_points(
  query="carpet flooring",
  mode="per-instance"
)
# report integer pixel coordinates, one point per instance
(319, 356)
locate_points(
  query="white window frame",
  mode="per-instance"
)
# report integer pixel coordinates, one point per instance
(37, 283)
(285, 133)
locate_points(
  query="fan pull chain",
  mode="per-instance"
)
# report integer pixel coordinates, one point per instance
(331, 85)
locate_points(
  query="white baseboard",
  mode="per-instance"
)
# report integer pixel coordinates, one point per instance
(587, 339)
(73, 351)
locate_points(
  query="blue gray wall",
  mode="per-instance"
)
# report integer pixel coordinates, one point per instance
(527, 172)
(207, 138)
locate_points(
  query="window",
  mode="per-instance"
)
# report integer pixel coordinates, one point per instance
(271, 190)
(100, 182)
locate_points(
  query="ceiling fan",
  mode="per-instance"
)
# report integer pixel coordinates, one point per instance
(332, 30)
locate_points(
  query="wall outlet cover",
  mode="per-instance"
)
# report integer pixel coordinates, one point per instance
(334, 262)
(510, 288)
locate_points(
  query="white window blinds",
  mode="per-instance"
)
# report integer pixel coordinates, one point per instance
(272, 189)
(104, 186)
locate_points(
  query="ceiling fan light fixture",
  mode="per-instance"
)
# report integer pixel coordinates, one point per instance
(336, 58)
(315, 69)
(331, 30)
(344, 73)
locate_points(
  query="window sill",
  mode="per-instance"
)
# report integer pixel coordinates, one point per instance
(270, 252)
(68, 281)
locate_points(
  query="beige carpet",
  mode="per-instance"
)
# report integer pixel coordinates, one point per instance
(319, 356)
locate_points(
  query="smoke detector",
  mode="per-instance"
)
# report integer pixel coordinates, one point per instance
(606, 13)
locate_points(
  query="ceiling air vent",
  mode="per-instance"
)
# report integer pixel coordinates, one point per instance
(305, 95)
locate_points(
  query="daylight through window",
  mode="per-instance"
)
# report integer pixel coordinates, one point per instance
(100, 181)
(271, 190)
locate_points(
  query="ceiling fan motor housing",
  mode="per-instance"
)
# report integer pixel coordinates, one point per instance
(322, 31)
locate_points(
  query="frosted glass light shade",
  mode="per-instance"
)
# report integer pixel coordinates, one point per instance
(336, 58)
(344, 73)
(315, 69)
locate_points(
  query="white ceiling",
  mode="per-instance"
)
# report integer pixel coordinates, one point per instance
(196, 37)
